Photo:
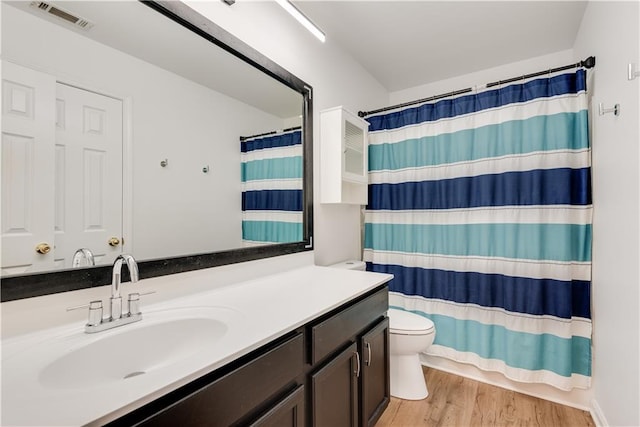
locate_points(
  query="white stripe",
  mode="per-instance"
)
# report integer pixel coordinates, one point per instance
(485, 215)
(492, 165)
(521, 111)
(280, 216)
(518, 322)
(516, 374)
(272, 153)
(486, 265)
(253, 243)
(273, 184)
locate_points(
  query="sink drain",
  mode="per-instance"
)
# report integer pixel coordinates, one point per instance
(134, 374)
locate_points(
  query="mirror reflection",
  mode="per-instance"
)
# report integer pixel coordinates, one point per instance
(125, 132)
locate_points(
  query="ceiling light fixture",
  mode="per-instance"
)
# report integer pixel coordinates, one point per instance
(301, 18)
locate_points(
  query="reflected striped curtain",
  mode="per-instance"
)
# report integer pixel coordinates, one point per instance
(272, 189)
(481, 208)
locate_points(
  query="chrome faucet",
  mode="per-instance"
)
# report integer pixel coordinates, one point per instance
(116, 299)
(96, 322)
(81, 254)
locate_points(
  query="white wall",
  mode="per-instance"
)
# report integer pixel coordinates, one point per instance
(610, 31)
(177, 210)
(336, 80)
(482, 77)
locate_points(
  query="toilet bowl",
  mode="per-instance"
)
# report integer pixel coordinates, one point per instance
(409, 335)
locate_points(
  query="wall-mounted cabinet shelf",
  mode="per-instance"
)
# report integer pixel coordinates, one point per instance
(343, 157)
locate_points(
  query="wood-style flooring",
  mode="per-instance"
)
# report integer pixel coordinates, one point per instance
(458, 402)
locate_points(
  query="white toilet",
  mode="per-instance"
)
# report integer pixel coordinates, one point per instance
(409, 334)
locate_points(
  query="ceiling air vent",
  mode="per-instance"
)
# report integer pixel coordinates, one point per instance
(48, 8)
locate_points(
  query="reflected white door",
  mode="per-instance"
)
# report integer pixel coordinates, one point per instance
(28, 135)
(88, 158)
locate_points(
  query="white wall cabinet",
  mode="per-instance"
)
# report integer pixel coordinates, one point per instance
(343, 157)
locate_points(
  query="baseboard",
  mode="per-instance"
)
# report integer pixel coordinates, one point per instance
(597, 414)
(580, 399)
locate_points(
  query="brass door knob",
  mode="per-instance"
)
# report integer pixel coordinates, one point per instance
(43, 248)
(114, 241)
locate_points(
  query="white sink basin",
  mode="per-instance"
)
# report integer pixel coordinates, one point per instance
(132, 350)
(164, 341)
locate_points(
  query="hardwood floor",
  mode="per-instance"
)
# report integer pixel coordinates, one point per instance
(458, 402)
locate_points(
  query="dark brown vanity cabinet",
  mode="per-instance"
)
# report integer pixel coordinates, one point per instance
(289, 412)
(258, 391)
(375, 391)
(351, 387)
(334, 391)
(334, 372)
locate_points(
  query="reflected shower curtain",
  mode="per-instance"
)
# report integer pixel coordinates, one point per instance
(481, 208)
(272, 189)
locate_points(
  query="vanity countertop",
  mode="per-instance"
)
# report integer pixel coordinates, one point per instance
(256, 312)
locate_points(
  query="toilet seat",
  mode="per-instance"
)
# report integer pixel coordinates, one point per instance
(408, 323)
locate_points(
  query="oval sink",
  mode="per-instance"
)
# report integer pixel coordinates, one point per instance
(135, 350)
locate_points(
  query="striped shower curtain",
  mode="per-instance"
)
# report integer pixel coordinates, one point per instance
(481, 207)
(272, 189)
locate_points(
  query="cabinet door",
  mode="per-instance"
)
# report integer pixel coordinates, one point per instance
(375, 393)
(289, 412)
(334, 391)
(354, 160)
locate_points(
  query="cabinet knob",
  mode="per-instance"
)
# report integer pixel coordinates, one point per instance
(114, 241)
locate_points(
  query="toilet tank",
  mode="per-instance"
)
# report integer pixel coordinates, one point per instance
(350, 265)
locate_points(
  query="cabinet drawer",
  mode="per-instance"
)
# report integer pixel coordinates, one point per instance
(287, 412)
(236, 394)
(328, 335)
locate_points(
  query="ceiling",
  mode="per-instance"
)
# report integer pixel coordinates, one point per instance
(139, 31)
(405, 44)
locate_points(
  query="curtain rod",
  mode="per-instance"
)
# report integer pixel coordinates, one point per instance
(590, 62)
(273, 132)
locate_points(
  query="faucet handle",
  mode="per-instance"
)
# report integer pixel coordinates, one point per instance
(134, 301)
(95, 312)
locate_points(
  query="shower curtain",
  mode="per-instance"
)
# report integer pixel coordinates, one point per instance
(481, 207)
(271, 172)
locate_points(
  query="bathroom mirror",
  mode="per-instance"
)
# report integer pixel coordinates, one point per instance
(179, 93)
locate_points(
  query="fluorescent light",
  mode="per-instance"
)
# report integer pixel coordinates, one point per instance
(293, 11)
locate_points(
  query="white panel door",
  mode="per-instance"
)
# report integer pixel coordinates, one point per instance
(88, 207)
(28, 114)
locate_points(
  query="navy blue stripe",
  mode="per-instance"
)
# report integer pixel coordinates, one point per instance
(283, 140)
(523, 92)
(272, 200)
(539, 297)
(538, 187)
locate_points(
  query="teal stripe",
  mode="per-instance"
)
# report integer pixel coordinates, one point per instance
(272, 231)
(541, 133)
(557, 242)
(278, 168)
(523, 350)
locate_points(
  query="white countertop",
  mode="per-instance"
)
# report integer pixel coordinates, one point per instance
(257, 311)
